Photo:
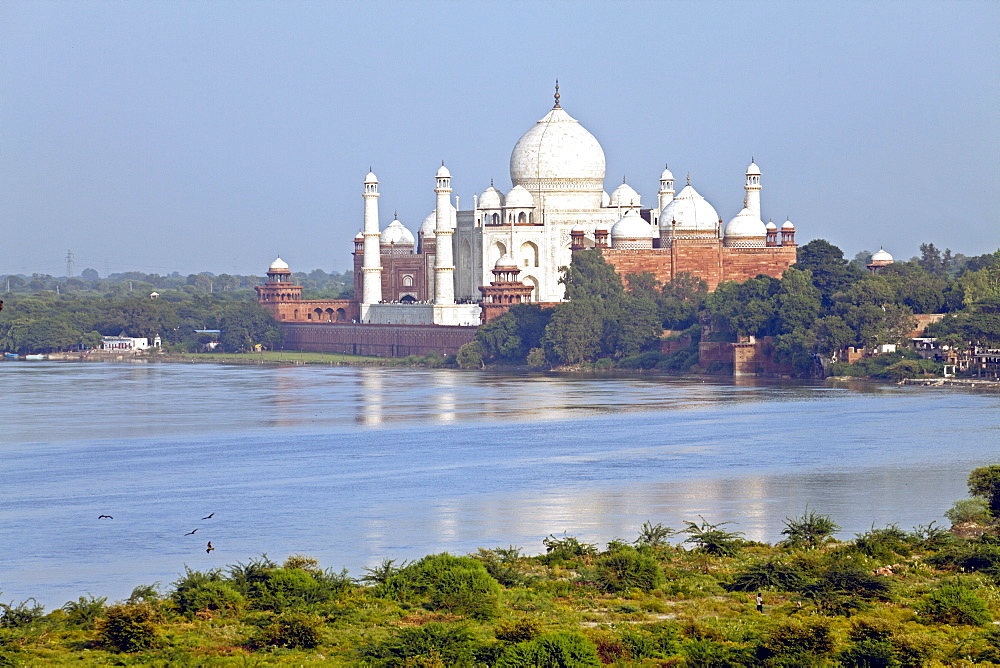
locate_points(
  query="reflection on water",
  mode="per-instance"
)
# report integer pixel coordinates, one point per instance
(353, 465)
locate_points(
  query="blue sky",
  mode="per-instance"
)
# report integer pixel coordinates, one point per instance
(162, 136)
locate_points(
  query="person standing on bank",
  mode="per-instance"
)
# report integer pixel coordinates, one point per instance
(760, 603)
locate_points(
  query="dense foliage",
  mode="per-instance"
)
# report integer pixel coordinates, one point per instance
(815, 310)
(49, 322)
(889, 597)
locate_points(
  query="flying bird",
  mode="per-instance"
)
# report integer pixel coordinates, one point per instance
(190, 532)
(101, 517)
(210, 515)
(210, 548)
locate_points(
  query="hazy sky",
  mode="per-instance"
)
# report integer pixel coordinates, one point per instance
(191, 136)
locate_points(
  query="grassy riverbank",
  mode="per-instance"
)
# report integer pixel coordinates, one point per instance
(890, 597)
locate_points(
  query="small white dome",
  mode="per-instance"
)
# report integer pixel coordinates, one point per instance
(753, 169)
(519, 198)
(787, 225)
(278, 265)
(881, 257)
(632, 226)
(443, 172)
(578, 228)
(605, 199)
(667, 175)
(491, 199)
(506, 262)
(691, 211)
(771, 226)
(745, 224)
(359, 236)
(625, 195)
(371, 178)
(429, 225)
(396, 234)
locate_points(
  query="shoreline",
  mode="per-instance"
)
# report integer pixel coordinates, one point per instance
(306, 358)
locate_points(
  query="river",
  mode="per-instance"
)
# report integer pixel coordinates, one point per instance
(352, 465)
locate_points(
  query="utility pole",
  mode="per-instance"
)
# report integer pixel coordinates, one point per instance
(69, 264)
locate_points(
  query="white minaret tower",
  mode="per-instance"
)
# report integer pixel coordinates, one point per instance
(444, 267)
(371, 266)
(666, 188)
(753, 189)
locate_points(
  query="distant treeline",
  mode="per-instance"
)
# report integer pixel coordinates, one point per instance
(316, 284)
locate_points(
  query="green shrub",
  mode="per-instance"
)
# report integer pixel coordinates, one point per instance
(626, 569)
(293, 629)
(810, 530)
(128, 627)
(15, 616)
(955, 604)
(214, 595)
(843, 587)
(536, 359)
(85, 611)
(561, 649)
(429, 645)
(654, 535)
(566, 548)
(869, 653)
(885, 544)
(968, 510)
(458, 584)
(798, 642)
(770, 574)
(519, 630)
(705, 653)
(712, 538)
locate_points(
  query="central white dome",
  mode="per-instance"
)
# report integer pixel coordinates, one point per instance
(558, 154)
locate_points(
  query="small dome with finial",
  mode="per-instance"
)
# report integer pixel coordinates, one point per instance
(491, 199)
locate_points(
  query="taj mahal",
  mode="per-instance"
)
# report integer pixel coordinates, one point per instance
(465, 267)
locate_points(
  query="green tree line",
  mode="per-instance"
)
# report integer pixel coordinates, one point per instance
(818, 307)
(48, 322)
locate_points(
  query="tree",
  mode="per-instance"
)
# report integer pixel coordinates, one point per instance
(513, 335)
(590, 276)
(831, 272)
(573, 335)
(681, 299)
(809, 530)
(984, 482)
(245, 325)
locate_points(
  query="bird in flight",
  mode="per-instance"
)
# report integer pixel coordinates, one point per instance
(190, 533)
(210, 515)
(101, 517)
(210, 548)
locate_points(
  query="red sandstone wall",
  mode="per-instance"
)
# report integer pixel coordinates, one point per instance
(705, 259)
(376, 340)
(302, 310)
(740, 264)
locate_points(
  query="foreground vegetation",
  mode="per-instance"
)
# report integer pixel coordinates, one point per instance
(889, 597)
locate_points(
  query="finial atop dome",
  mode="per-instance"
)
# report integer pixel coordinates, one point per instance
(689, 178)
(557, 96)
(395, 214)
(491, 183)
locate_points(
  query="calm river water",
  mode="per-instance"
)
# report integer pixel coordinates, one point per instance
(351, 465)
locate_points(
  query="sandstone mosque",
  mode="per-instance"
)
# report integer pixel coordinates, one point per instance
(463, 268)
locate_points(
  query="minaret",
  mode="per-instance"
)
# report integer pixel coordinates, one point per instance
(444, 268)
(666, 188)
(753, 189)
(371, 267)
